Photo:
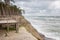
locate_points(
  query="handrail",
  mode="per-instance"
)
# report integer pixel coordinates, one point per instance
(9, 18)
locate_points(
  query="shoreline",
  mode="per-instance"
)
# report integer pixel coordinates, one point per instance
(33, 31)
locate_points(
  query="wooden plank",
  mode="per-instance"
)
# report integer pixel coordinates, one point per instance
(8, 21)
(7, 27)
(7, 30)
(17, 27)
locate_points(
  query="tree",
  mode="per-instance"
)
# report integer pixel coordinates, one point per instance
(8, 1)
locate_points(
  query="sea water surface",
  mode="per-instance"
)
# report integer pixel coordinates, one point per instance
(47, 25)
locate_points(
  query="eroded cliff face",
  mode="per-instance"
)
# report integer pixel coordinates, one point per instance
(29, 27)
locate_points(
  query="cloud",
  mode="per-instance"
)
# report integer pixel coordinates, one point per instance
(40, 7)
(55, 5)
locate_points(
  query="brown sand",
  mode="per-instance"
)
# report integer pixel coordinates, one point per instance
(22, 35)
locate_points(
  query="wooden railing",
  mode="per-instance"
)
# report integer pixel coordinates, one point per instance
(13, 17)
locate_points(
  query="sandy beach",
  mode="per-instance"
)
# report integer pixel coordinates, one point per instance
(22, 35)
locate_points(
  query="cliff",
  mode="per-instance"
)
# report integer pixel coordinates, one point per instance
(29, 27)
(32, 30)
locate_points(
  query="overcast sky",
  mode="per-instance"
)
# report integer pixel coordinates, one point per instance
(40, 7)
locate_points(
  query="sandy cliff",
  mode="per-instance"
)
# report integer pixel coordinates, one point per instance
(30, 29)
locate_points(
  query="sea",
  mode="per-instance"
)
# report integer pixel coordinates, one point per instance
(47, 25)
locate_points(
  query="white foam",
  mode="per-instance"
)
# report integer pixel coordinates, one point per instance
(40, 29)
(49, 35)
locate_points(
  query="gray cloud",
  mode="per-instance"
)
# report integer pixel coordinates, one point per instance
(35, 6)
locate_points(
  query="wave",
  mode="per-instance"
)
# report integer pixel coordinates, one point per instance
(47, 25)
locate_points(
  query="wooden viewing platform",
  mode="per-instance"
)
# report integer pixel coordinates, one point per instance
(9, 15)
(6, 22)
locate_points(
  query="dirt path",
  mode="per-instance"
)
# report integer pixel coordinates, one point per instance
(22, 35)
